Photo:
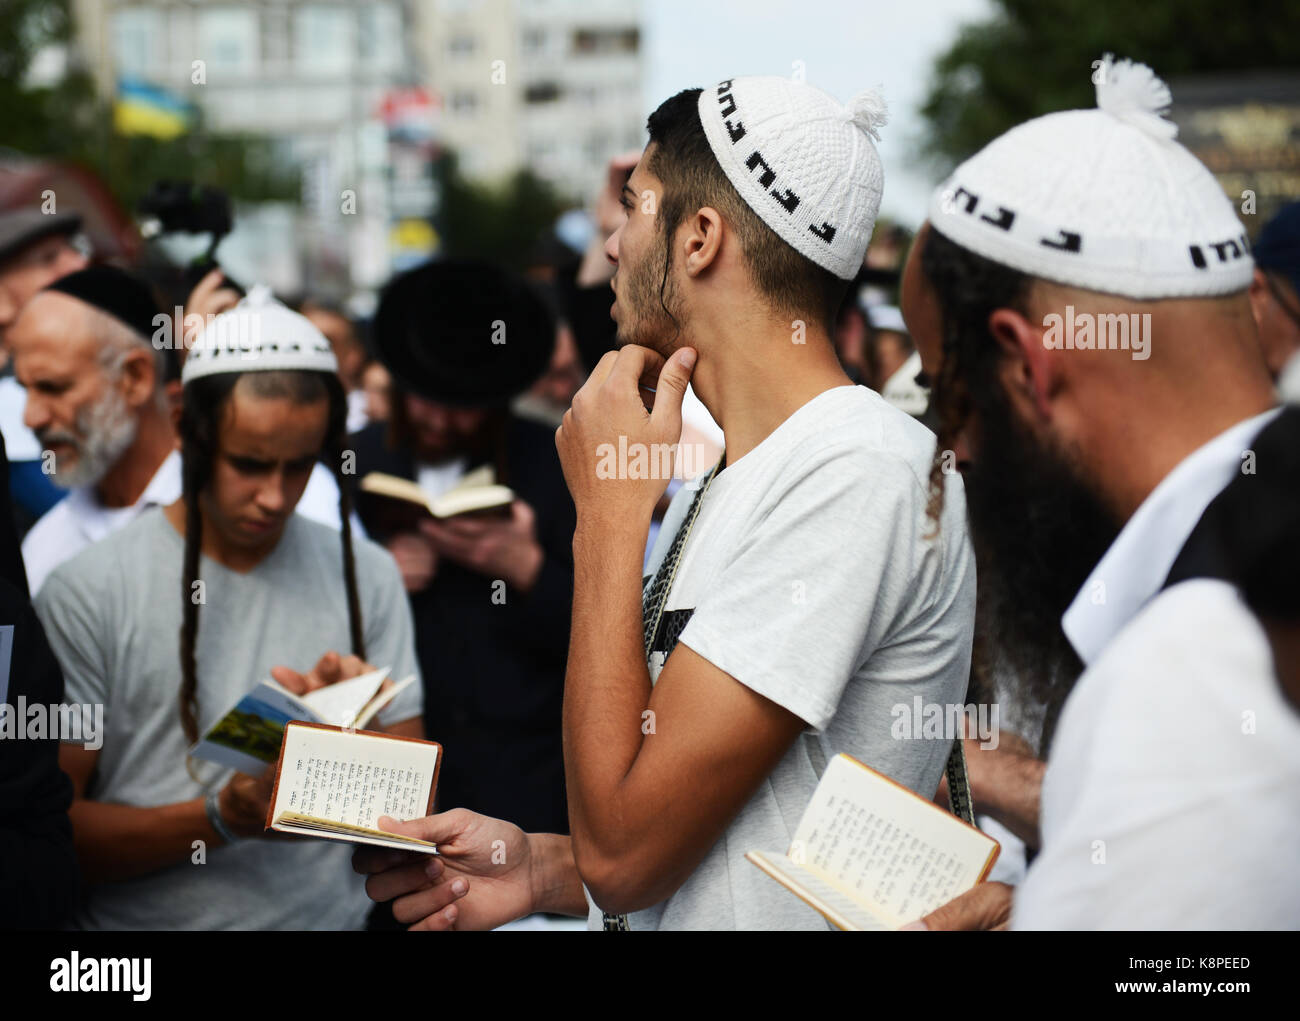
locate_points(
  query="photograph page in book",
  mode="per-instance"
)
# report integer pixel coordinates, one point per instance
(248, 735)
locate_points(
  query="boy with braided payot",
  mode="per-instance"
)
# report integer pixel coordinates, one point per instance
(169, 621)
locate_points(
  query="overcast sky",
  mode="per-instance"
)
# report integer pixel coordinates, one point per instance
(845, 46)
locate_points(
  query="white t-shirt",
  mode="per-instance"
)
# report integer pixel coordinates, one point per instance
(1169, 801)
(113, 618)
(810, 579)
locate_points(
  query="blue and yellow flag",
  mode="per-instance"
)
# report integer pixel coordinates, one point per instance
(143, 109)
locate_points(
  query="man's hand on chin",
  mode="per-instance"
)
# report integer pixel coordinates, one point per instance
(609, 415)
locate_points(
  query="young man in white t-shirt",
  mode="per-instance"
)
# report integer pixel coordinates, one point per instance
(811, 597)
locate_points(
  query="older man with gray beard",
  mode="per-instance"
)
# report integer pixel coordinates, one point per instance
(96, 402)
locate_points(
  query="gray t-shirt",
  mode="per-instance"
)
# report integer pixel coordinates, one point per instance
(113, 617)
(810, 578)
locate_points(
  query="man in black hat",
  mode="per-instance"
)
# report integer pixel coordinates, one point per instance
(35, 250)
(491, 595)
(97, 403)
(38, 866)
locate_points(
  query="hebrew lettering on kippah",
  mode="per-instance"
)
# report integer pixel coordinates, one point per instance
(1067, 242)
(728, 102)
(1221, 246)
(971, 198)
(1004, 219)
(766, 178)
(790, 200)
(826, 231)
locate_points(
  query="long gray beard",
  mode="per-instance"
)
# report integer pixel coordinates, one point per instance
(104, 432)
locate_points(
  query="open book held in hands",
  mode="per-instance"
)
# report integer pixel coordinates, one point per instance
(870, 854)
(247, 738)
(334, 784)
(398, 504)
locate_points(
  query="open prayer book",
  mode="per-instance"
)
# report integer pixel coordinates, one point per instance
(334, 784)
(400, 502)
(870, 854)
(247, 738)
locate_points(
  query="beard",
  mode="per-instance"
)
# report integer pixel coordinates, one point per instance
(104, 431)
(645, 319)
(1038, 527)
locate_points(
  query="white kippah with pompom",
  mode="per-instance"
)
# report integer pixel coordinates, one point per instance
(869, 112)
(1103, 199)
(258, 335)
(1133, 93)
(804, 162)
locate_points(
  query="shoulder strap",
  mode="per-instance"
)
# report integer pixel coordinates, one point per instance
(653, 600)
(959, 797)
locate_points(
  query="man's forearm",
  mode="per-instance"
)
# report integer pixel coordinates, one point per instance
(1007, 786)
(557, 887)
(607, 685)
(116, 842)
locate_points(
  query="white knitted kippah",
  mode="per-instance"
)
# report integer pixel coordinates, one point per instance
(258, 335)
(802, 161)
(1101, 199)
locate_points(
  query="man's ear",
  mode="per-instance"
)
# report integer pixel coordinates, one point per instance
(174, 406)
(139, 378)
(1258, 293)
(1027, 370)
(702, 241)
(8, 306)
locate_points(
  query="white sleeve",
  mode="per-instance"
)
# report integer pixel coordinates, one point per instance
(1169, 796)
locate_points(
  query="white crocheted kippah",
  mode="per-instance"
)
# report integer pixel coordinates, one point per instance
(258, 335)
(802, 161)
(1103, 199)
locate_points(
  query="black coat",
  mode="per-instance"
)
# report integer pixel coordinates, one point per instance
(38, 867)
(494, 673)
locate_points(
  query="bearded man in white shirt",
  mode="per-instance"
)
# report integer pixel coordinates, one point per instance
(1089, 457)
(97, 404)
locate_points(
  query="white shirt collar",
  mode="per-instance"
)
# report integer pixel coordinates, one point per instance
(96, 521)
(1139, 560)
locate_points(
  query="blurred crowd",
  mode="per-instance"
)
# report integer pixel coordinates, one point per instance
(176, 528)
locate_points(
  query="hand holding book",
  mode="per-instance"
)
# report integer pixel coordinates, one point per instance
(870, 854)
(335, 784)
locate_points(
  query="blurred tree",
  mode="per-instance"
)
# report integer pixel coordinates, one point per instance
(1035, 57)
(68, 121)
(501, 223)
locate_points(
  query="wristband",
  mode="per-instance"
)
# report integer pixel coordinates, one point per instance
(212, 805)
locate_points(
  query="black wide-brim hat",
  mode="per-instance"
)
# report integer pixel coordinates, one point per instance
(463, 332)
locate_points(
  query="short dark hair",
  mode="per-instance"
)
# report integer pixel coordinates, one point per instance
(693, 178)
(968, 288)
